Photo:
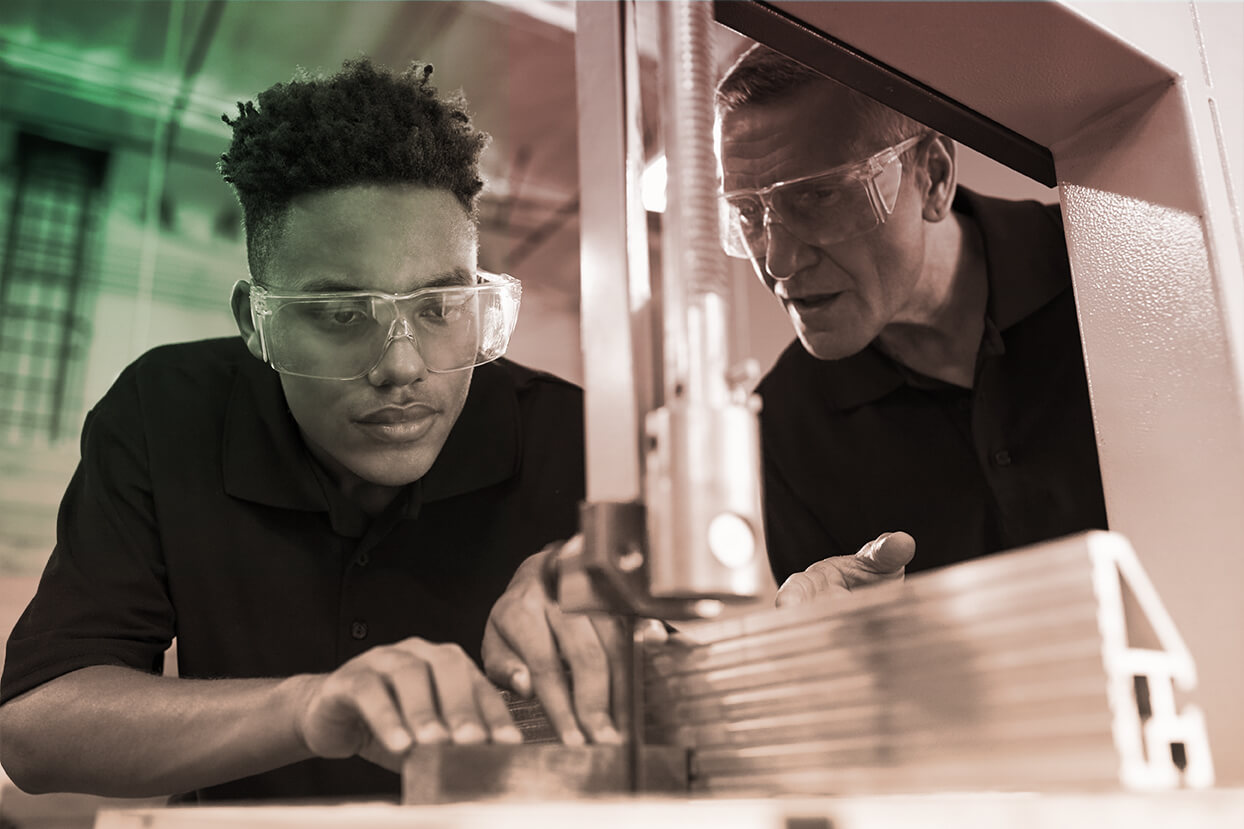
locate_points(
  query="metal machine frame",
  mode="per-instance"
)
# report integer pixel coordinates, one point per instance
(1157, 277)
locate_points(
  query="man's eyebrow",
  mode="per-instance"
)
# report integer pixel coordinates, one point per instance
(337, 284)
(328, 283)
(456, 277)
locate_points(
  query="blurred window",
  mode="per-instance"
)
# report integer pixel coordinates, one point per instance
(45, 295)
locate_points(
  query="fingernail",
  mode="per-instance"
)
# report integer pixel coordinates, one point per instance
(654, 633)
(507, 734)
(432, 732)
(606, 734)
(520, 682)
(398, 741)
(469, 733)
(573, 738)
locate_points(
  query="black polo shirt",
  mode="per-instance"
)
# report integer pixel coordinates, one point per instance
(863, 445)
(198, 512)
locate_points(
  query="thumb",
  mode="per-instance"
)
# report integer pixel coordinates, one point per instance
(504, 667)
(888, 554)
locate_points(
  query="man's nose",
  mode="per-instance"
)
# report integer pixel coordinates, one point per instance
(785, 253)
(401, 363)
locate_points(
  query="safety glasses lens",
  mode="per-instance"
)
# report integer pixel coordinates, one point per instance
(344, 338)
(819, 211)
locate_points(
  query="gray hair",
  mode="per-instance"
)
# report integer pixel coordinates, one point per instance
(762, 75)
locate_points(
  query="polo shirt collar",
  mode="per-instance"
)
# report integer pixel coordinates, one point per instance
(853, 381)
(483, 448)
(1023, 275)
(265, 459)
(1025, 269)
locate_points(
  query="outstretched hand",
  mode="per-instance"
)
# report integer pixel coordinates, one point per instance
(885, 558)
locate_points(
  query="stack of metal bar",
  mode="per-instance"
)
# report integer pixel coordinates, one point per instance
(1050, 668)
(1013, 672)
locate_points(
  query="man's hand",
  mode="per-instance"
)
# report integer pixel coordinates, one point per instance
(382, 702)
(528, 638)
(882, 559)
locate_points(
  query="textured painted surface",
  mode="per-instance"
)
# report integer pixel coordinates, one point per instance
(1157, 266)
(1165, 386)
(1202, 44)
(1162, 384)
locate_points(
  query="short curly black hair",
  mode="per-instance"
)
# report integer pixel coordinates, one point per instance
(363, 125)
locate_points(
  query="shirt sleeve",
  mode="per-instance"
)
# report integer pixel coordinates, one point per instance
(103, 597)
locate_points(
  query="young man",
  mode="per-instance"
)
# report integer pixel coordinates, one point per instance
(325, 540)
(937, 385)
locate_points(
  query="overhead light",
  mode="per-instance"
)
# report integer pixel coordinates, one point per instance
(652, 185)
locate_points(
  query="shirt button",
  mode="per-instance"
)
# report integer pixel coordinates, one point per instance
(1002, 458)
(361, 559)
(358, 630)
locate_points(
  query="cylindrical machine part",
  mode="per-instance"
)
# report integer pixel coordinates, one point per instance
(696, 284)
(702, 476)
(705, 532)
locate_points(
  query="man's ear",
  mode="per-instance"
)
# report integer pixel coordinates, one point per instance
(240, 304)
(940, 169)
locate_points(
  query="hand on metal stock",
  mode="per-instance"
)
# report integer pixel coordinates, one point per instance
(384, 701)
(885, 558)
(531, 645)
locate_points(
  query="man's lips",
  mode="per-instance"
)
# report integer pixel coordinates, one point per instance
(399, 414)
(398, 424)
(812, 302)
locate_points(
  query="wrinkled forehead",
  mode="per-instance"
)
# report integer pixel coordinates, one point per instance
(812, 129)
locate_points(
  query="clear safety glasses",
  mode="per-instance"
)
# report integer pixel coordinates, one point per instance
(344, 335)
(820, 209)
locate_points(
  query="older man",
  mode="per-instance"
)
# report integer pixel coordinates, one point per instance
(322, 511)
(937, 386)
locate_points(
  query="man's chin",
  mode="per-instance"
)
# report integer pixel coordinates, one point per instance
(826, 346)
(394, 468)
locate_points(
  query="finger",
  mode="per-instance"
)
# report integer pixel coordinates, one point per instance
(829, 577)
(412, 683)
(454, 678)
(815, 582)
(554, 695)
(371, 698)
(495, 714)
(502, 665)
(584, 651)
(653, 632)
(548, 680)
(824, 575)
(888, 554)
(555, 558)
(618, 640)
(793, 591)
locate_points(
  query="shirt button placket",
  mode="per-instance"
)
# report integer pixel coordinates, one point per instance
(356, 627)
